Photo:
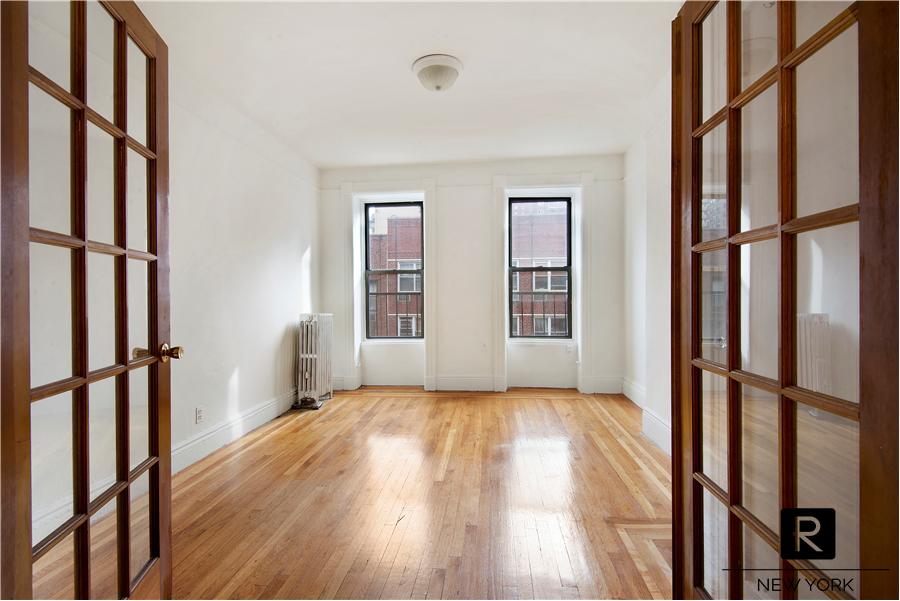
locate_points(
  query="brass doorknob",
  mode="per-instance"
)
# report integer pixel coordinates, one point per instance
(166, 352)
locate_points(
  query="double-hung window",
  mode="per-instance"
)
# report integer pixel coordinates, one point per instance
(394, 270)
(540, 268)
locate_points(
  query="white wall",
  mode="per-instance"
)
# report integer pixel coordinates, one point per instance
(647, 267)
(243, 231)
(468, 238)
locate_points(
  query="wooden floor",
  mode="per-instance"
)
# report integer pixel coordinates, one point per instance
(403, 494)
(397, 493)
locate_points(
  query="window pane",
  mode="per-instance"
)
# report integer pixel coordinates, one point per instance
(137, 93)
(104, 554)
(51, 464)
(827, 341)
(713, 61)
(759, 308)
(100, 52)
(759, 427)
(713, 223)
(811, 15)
(101, 310)
(49, 42)
(828, 126)
(100, 185)
(714, 428)
(49, 161)
(102, 435)
(136, 196)
(759, 161)
(713, 305)
(828, 476)
(715, 547)
(138, 415)
(139, 495)
(541, 314)
(53, 575)
(50, 301)
(395, 236)
(759, 50)
(759, 558)
(394, 305)
(539, 232)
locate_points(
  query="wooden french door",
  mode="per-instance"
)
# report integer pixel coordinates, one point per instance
(85, 382)
(784, 294)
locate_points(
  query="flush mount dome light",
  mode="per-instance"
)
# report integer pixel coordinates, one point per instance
(437, 72)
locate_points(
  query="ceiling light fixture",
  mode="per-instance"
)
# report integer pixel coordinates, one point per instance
(437, 72)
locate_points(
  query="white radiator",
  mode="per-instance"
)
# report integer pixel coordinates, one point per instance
(314, 382)
(814, 352)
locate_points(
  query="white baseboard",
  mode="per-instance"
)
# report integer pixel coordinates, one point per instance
(500, 384)
(430, 383)
(657, 430)
(203, 443)
(464, 383)
(346, 382)
(634, 391)
(600, 385)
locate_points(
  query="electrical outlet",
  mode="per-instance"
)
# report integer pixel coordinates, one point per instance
(199, 415)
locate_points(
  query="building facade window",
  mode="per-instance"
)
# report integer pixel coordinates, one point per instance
(394, 269)
(540, 267)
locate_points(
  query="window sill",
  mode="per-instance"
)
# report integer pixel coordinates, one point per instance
(541, 342)
(392, 341)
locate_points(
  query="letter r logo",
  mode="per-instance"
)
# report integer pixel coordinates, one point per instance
(808, 533)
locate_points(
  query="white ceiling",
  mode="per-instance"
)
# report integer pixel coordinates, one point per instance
(333, 80)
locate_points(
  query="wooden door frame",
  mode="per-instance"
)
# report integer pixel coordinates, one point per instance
(878, 222)
(16, 393)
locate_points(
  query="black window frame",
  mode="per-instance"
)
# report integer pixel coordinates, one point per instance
(512, 271)
(396, 272)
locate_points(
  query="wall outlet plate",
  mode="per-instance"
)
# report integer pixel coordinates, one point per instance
(199, 414)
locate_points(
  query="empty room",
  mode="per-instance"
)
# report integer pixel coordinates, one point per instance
(448, 300)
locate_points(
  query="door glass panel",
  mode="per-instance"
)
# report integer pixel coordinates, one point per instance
(759, 50)
(100, 185)
(828, 126)
(137, 201)
(137, 93)
(104, 554)
(102, 435)
(759, 443)
(759, 161)
(713, 305)
(713, 61)
(51, 313)
(827, 340)
(138, 319)
(713, 222)
(101, 310)
(49, 40)
(759, 308)
(140, 523)
(715, 547)
(812, 15)
(138, 415)
(715, 428)
(49, 140)
(53, 575)
(101, 43)
(828, 476)
(758, 555)
(51, 464)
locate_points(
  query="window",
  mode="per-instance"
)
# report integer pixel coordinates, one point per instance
(394, 268)
(540, 302)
